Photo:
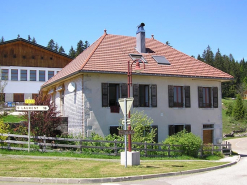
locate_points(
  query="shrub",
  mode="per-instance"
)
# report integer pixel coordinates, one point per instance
(4, 129)
(238, 111)
(188, 143)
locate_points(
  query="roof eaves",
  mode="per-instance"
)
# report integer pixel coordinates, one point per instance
(32, 43)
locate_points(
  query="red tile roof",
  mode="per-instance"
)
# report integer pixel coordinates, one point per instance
(110, 53)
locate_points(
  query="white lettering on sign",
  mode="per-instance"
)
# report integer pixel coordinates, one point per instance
(32, 108)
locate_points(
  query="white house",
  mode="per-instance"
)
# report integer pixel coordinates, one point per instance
(25, 66)
(175, 90)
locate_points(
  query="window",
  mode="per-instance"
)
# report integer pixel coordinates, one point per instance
(5, 74)
(179, 96)
(173, 129)
(18, 97)
(142, 96)
(208, 97)
(23, 75)
(111, 93)
(41, 76)
(34, 96)
(14, 74)
(50, 74)
(115, 130)
(32, 75)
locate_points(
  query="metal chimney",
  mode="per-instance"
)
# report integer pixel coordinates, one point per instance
(140, 39)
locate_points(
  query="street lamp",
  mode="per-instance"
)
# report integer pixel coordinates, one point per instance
(137, 69)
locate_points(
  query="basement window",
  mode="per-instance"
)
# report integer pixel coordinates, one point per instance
(137, 56)
(161, 60)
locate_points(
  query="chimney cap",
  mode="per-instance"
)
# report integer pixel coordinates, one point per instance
(141, 25)
(140, 28)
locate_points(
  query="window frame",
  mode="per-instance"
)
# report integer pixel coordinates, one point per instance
(105, 93)
(23, 75)
(33, 75)
(50, 75)
(174, 129)
(42, 76)
(208, 97)
(184, 96)
(5, 74)
(14, 74)
(150, 95)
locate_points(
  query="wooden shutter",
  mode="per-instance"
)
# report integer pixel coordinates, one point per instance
(153, 95)
(124, 91)
(18, 97)
(170, 95)
(188, 128)
(187, 96)
(136, 95)
(200, 97)
(171, 130)
(104, 94)
(215, 97)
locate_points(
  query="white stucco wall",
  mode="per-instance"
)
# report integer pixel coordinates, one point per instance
(99, 119)
(73, 105)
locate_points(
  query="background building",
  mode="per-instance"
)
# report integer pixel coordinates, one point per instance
(25, 66)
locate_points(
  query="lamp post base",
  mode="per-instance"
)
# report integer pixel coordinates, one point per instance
(133, 158)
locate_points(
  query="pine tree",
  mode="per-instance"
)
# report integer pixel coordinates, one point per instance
(61, 50)
(238, 109)
(29, 38)
(51, 44)
(80, 48)
(2, 40)
(34, 40)
(218, 61)
(72, 53)
(208, 56)
(56, 47)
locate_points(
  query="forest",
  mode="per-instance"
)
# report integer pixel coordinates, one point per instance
(226, 63)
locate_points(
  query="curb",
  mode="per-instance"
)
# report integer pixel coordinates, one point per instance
(111, 179)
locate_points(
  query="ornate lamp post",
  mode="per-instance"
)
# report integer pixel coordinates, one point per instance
(137, 69)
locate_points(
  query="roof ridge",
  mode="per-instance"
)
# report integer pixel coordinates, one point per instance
(90, 55)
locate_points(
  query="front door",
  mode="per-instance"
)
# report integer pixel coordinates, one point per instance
(207, 136)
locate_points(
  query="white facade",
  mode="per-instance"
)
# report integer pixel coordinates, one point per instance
(85, 113)
(22, 82)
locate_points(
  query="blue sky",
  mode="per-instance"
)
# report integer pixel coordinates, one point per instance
(189, 26)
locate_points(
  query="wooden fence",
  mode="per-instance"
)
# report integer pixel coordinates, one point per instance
(52, 144)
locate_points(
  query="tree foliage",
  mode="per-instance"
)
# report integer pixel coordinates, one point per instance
(4, 128)
(238, 111)
(227, 64)
(188, 143)
(44, 122)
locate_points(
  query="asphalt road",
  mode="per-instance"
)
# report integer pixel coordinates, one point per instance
(236, 174)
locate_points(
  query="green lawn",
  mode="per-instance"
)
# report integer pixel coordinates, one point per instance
(14, 166)
(13, 119)
(229, 123)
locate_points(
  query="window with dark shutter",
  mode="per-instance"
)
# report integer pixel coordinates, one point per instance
(136, 95)
(104, 94)
(171, 95)
(200, 97)
(187, 96)
(215, 97)
(124, 91)
(171, 130)
(187, 128)
(154, 95)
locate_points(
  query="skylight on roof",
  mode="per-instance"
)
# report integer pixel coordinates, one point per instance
(136, 56)
(161, 60)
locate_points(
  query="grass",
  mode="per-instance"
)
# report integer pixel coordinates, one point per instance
(15, 166)
(229, 123)
(13, 119)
